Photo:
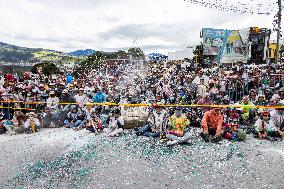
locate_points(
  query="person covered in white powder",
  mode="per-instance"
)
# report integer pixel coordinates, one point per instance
(115, 124)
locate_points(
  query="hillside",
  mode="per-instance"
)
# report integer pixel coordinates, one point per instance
(80, 53)
(12, 53)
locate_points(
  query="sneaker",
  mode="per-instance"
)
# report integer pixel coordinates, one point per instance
(205, 137)
(189, 142)
(163, 140)
(172, 142)
(216, 139)
(270, 138)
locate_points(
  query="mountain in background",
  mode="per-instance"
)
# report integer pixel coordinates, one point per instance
(14, 54)
(80, 53)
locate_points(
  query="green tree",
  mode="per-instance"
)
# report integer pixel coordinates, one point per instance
(48, 68)
(121, 54)
(91, 62)
(136, 53)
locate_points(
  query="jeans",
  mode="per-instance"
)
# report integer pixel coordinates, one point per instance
(112, 133)
(187, 136)
(91, 129)
(73, 125)
(147, 131)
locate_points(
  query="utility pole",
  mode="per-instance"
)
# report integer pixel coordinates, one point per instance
(279, 15)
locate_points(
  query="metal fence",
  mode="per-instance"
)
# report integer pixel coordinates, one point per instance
(267, 85)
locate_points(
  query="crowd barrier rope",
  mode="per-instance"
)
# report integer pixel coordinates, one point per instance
(145, 105)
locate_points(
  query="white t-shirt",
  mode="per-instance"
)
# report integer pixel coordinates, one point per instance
(81, 99)
(113, 122)
(267, 125)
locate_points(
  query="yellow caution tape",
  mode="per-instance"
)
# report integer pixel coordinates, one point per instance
(149, 105)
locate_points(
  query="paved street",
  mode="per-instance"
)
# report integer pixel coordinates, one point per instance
(62, 158)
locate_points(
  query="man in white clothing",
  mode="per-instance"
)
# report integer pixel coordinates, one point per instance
(81, 98)
(52, 101)
(197, 80)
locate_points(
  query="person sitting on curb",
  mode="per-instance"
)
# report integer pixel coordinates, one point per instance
(94, 123)
(19, 120)
(265, 128)
(277, 115)
(74, 118)
(179, 132)
(115, 124)
(212, 125)
(247, 114)
(232, 130)
(156, 123)
(6, 125)
(32, 123)
(2, 127)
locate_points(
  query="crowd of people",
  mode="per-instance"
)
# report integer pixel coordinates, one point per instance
(227, 103)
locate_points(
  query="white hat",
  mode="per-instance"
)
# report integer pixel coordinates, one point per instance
(32, 114)
(65, 91)
(275, 97)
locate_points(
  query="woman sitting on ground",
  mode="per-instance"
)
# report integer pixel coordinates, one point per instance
(115, 124)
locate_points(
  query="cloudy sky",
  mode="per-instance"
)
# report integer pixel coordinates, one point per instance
(153, 25)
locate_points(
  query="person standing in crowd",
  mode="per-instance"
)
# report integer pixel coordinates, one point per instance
(205, 101)
(202, 88)
(200, 77)
(281, 93)
(261, 101)
(81, 98)
(66, 100)
(69, 78)
(100, 96)
(52, 101)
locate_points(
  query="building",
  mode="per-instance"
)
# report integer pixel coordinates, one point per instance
(250, 45)
(272, 51)
(180, 55)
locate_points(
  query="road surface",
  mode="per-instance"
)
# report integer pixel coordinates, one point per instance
(63, 158)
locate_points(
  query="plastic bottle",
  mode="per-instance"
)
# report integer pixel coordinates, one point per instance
(234, 136)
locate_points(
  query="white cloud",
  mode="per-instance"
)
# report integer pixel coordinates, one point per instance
(159, 25)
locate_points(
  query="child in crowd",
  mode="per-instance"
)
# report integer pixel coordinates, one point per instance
(115, 124)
